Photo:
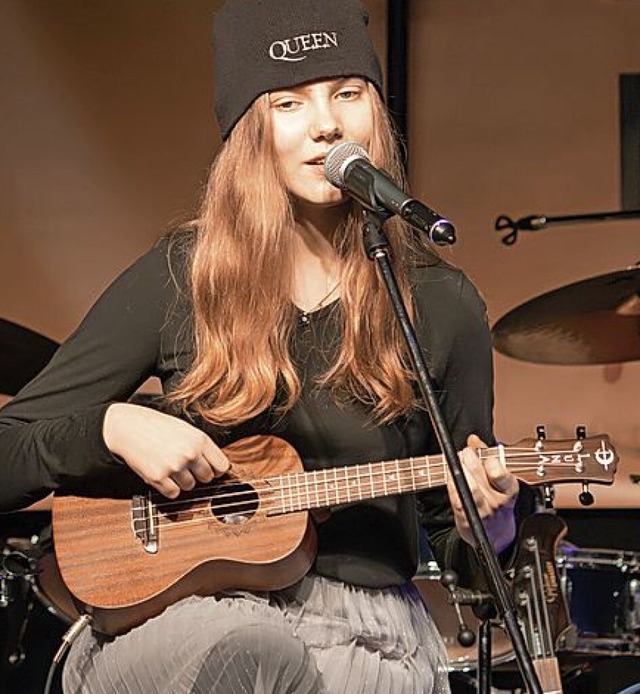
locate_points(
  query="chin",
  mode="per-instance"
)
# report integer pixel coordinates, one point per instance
(321, 198)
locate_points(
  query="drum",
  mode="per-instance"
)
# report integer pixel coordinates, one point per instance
(461, 658)
(602, 588)
(31, 626)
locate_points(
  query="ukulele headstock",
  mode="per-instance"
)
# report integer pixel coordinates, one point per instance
(584, 460)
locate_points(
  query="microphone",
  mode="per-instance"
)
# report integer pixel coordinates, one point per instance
(347, 166)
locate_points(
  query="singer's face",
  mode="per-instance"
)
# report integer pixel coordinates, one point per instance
(307, 121)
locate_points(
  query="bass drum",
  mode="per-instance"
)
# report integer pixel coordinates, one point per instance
(461, 658)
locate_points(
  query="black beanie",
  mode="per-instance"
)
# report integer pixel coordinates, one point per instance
(263, 45)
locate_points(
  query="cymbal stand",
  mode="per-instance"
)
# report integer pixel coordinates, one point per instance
(536, 222)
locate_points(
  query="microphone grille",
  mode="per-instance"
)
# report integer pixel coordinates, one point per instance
(336, 159)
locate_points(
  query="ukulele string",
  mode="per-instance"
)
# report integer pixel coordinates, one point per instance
(544, 625)
(372, 469)
(296, 497)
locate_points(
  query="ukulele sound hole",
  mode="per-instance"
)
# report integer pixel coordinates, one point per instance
(234, 503)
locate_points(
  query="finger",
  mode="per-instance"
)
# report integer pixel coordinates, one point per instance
(215, 458)
(490, 472)
(167, 487)
(201, 470)
(499, 476)
(475, 442)
(454, 498)
(474, 473)
(485, 497)
(472, 464)
(184, 479)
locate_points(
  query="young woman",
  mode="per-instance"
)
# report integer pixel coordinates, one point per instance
(265, 317)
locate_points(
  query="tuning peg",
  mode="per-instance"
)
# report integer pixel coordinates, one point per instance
(548, 494)
(581, 432)
(585, 497)
(541, 432)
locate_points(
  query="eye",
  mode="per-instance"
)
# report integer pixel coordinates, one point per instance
(348, 94)
(285, 103)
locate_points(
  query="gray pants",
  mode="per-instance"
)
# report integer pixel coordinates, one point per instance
(320, 636)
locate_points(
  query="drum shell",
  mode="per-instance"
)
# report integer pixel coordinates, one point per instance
(602, 589)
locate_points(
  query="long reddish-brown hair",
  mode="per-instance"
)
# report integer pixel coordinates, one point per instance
(241, 285)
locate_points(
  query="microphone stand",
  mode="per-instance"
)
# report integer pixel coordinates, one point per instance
(485, 613)
(377, 249)
(535, 222)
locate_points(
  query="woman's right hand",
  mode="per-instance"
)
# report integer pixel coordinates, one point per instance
(168, 453)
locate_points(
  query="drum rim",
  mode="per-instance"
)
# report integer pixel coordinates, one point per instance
(571, 556)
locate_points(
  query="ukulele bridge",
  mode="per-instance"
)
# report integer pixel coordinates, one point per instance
(144, 522)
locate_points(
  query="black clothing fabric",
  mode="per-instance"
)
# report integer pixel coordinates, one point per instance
(51, 432)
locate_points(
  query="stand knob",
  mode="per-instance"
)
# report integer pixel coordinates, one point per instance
(466, 637)
(449, 580)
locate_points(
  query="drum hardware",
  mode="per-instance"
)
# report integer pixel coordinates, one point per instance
(593, 321)
(459, 631)
(25, 581)
(484, 609)
(537, 222)
(449, 580)
(16, 565)
(16, 568)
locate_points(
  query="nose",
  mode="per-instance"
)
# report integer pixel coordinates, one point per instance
(325, 124)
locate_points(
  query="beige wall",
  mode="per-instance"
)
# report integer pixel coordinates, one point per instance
(106, 132)
(515, 111)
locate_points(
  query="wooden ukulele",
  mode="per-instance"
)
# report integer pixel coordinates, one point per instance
(125, 560)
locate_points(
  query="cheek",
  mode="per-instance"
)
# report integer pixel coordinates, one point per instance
(286, 139)
(360, 125)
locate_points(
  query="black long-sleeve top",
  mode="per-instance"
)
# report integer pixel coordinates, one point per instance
(51, 432)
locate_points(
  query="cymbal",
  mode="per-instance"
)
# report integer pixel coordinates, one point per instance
(594, 321)
(23, 354)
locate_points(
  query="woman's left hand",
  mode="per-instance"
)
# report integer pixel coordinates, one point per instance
(494, 491)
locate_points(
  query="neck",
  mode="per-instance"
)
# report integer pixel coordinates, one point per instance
(317, 266)
(313, 220)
